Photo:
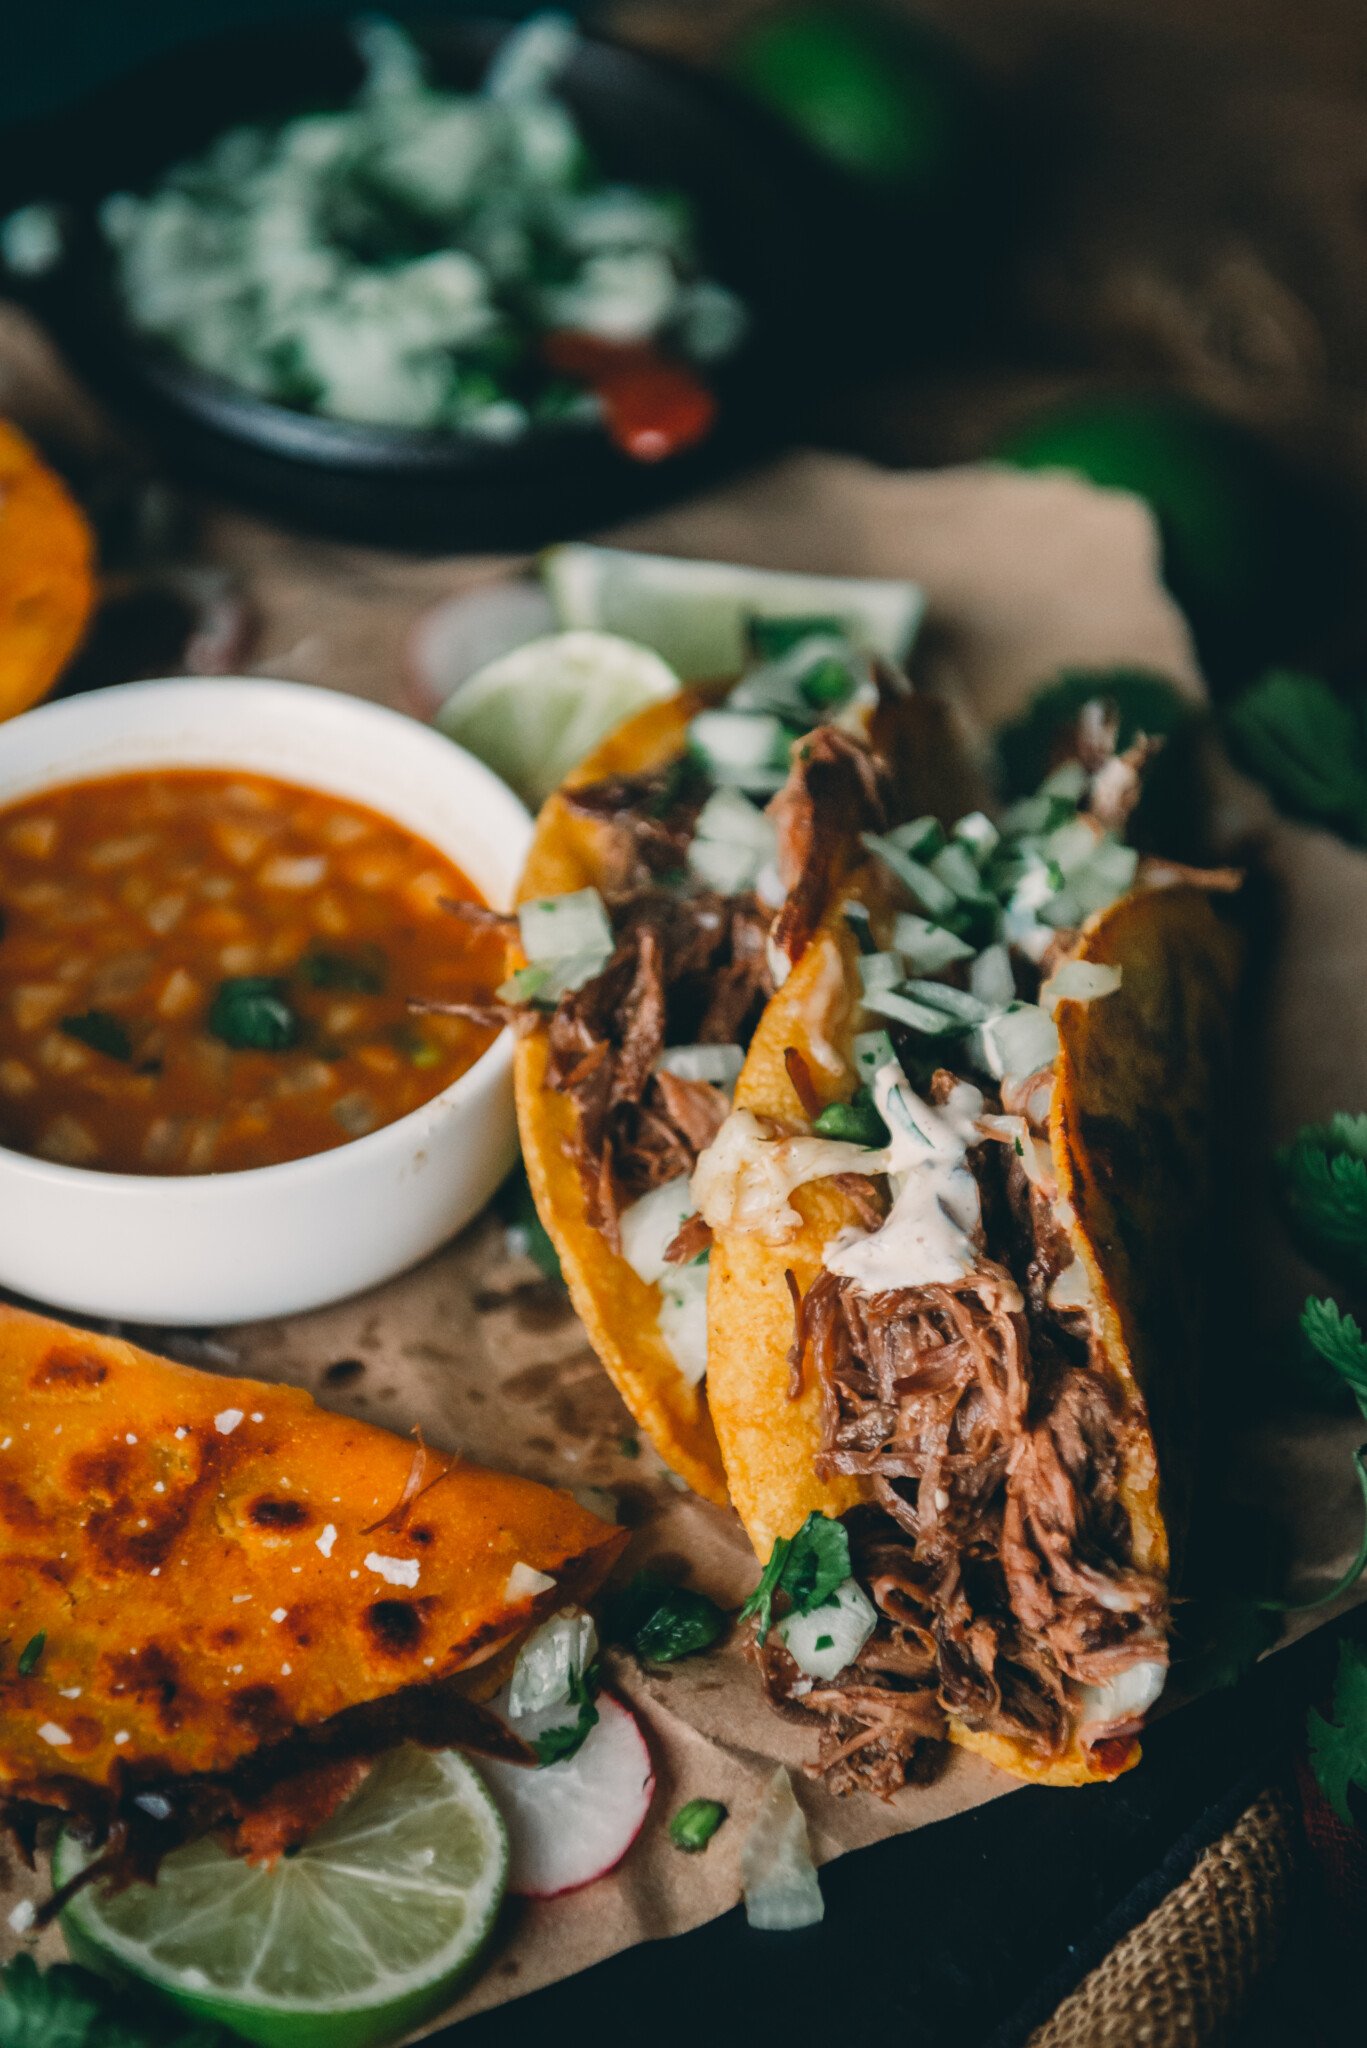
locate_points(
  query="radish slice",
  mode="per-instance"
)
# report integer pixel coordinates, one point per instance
(463, 634)
(574, 1821)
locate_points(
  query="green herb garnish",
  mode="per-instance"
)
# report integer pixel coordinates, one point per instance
(251, 1013)
(31, 1653)
(1338, 1747)
(629, 1446)
(857, 1121)
(1308, 746)
(101, 1032)
(771, 639)
(1336, 1339)
(806, 1567)
(66, 2007)
(662, 1621)
(1323, 1184)
(694, 1825)
(555, 1744)
(363, 972)
(826, 682)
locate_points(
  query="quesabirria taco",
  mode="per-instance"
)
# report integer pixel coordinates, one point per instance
(661, 904)
(222, 1601)
(957, 1214)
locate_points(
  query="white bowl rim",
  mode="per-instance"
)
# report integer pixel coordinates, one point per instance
(151, 1187)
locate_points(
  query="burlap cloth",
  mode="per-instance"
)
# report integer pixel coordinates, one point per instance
(1186, 1974)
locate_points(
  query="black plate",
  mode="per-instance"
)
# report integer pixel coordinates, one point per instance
(766, 212)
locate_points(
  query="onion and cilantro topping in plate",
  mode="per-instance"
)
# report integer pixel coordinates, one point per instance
(433, 260)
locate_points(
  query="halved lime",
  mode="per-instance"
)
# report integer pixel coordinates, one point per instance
(532, 715)
(695, 613)
(363, 1934)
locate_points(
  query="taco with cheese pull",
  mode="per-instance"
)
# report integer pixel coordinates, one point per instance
(951, 1378)
(661, 905)
(220, 1600)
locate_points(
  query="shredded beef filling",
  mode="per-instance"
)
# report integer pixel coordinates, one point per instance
(999, 1554)
(687, 970)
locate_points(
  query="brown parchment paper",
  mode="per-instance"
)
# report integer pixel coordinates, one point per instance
(1024, 575)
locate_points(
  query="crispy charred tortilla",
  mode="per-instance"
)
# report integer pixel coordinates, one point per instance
(1008, 1448)
(210, 1587)
(601, 1124)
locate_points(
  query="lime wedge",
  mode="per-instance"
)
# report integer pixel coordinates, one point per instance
(695, 613)
(353, 1941)
(532, 715)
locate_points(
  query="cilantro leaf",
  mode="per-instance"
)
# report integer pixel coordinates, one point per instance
(1338, 1748)
(1355, 1569)
(1306, 746)
(251, 1014)
(761, 1601)
(553, 1745)
(695, 1823)
(1221, 1640)
(806, 1567)
(1337, 1339)
(31, 1652)
(771, 639)
(661, 1621)
(1323, 1184)
(101, 1032)
(66, 2007)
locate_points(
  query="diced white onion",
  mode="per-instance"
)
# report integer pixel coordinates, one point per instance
(927, 948)
(649, 1226)
(554, 927)
(782, 1890)
(1078, 981)
(1017, 1042)
(550, 1662)
(990, 976)
(823, 1642)
(719, 1064)
(683, 1319)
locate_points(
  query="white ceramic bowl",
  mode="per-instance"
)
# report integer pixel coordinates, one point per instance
(223, 1248)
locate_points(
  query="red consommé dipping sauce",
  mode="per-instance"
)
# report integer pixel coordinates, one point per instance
(203, 971)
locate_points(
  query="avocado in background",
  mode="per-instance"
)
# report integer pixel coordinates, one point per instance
(1257, 553)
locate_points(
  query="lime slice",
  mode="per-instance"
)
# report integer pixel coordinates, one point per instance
(532, 715)
(353, 1941)
(695, 613)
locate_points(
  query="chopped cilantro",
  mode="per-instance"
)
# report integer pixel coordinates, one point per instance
(629, 1446)
(806, 1567)
(1308, 746)
(363, 972)
(1323, 1184)
(826, 682)
(66, 2007)
(1338, 1747)
(101, 1032)
(526, 1232)
(695, 1823)
(825, 1642)
(857, 1121)
(553, 1745)
(1337, 1339)
(771, 639)
(661, 1621)
(251, 1014)
(31, 1652)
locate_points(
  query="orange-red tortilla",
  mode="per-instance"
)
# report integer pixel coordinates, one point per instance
(1136, 1094)
(619, 1310)
(47, 587)
(196, 1569)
